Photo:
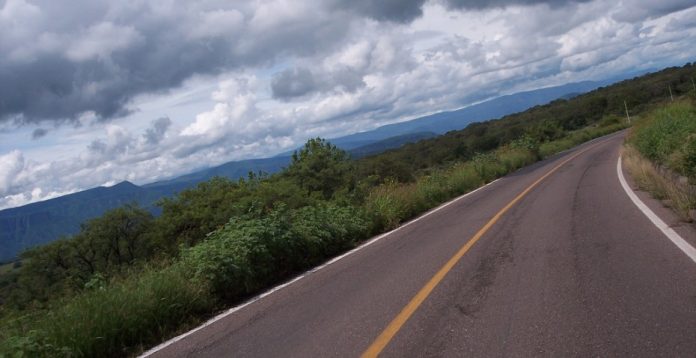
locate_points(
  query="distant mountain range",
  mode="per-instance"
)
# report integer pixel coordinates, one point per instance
(42, 222)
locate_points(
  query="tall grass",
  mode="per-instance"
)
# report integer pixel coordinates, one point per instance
(391, 204)
(661, 147)
(111, 320)
(661, 187)
(667, 136)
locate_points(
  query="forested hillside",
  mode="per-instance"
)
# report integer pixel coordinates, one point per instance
(101, 292)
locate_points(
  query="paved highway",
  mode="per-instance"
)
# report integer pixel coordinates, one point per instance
(565, 266)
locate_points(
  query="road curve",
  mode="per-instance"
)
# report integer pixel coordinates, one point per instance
(572, 269)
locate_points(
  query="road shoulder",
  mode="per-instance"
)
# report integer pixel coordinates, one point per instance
(685, 230)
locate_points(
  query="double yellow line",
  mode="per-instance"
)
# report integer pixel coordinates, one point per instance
(395, 325)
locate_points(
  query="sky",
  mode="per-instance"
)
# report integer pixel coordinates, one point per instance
(94, 92)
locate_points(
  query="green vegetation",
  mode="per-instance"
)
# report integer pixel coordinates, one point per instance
(668, 137)
(129, 280)
(662, 148)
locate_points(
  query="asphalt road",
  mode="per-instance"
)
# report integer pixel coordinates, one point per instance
(572, 269)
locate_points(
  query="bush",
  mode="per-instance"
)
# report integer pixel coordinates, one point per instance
(256, 250)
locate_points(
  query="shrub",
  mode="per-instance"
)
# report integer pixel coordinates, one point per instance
(253, 251)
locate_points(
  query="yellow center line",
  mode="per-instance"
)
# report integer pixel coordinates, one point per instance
(395, 325)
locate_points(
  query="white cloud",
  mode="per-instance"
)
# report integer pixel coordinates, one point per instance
(236, 106)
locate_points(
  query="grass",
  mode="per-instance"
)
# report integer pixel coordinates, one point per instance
(662, 147)
(660, 187)
(667, 137)
(125, 316)
(111, 320)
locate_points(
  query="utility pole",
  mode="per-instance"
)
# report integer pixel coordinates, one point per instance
(628, 118)
(670, 92)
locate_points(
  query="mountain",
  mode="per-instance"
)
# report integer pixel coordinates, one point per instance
(45, 221)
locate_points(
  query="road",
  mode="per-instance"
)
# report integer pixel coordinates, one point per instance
(573, 268)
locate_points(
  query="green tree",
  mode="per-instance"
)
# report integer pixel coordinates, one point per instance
(193, 213)
(321, 167)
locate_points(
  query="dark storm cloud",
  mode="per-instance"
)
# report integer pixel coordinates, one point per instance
(55, 88)
(292, 82)
(38, 133)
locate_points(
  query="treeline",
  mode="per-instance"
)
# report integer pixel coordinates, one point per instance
(129, 279)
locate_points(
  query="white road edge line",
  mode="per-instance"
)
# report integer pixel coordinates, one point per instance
(334, 260)
(668, 231)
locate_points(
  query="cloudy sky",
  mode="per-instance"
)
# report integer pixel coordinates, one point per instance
(93, 92)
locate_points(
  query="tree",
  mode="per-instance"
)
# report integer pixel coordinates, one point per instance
(118, 235)
(321, 167)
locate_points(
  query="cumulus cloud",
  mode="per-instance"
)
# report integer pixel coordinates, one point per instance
(64, 60)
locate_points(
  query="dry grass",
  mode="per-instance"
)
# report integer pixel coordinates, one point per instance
(648, 178)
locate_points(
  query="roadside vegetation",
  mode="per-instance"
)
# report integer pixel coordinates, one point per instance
(661, 155)
(129, 280)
